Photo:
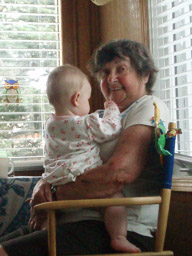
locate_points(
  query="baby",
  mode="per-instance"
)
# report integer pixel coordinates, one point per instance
(72, 138)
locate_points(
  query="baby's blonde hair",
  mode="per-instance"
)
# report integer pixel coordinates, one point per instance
(63, 82)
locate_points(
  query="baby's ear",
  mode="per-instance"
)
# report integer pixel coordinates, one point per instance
(75, 99)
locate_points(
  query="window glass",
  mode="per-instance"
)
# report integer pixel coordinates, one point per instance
(30, 47)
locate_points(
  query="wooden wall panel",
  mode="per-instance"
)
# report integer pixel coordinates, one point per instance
(124, 19)
(80, 31)
(68, 31)
(179, 229)
(76, 32)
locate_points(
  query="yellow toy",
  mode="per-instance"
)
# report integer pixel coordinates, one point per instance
(172, 130)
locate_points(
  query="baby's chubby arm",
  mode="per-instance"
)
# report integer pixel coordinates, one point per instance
(111, 110)
(107, 127)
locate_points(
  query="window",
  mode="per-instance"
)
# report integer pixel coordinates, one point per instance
(171, 45)
(30, 47)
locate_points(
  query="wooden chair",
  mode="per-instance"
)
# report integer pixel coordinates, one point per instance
(163, 200)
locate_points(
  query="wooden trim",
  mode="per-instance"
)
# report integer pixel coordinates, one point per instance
(98, 203)
(61, 19)
(164, 253)
(97, 99)
(68, 23)
(162, 220)
(94, 28)
(144, 22)
(51, 233)
(75, 33)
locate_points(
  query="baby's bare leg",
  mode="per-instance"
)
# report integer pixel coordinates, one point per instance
(2, 251)
(115, 218)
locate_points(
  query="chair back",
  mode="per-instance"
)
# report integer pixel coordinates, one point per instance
(168, 162)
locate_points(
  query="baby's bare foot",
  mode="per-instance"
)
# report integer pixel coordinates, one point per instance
(121, 243)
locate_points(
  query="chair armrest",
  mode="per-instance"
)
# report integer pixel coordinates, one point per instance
(56, 205)
(164, 253)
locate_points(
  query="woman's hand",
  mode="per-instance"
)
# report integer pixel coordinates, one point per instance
(41, 193)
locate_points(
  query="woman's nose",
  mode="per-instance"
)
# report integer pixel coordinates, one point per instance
(112, 77)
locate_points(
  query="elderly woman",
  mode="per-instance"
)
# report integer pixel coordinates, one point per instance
(126, 73)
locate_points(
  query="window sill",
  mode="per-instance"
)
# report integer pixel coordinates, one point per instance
(182, 166)
(182, 184)
(20, 166)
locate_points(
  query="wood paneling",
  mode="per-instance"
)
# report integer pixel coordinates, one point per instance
(124, 19)
(179, 230)
(68, 32)
(80, 31)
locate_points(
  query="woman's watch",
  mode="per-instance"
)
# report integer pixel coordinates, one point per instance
(54, 192)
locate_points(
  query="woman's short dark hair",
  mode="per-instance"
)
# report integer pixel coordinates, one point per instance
(139, 55)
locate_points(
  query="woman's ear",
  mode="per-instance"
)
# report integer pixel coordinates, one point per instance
(145, 79)
(75, 99)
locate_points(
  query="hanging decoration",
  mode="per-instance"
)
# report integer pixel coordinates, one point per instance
(11, 91)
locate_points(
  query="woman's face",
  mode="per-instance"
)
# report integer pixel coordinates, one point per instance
(121, 83)
(84, 97)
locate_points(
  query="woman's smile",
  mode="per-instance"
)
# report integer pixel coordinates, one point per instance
(115, 87)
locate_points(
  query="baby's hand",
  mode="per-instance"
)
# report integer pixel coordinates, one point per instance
(106, 92)
(109, 103)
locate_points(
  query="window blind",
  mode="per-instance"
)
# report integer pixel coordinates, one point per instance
(171, 45)
(30, 47)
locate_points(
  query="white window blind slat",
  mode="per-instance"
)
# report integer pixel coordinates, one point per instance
(23, 4)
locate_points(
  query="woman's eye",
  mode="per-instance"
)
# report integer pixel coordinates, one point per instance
(104, 73)
(122, 69)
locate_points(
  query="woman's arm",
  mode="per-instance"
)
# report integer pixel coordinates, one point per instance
(124, 166)
(41, 193)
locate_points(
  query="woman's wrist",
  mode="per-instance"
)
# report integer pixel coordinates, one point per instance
(53, 192)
